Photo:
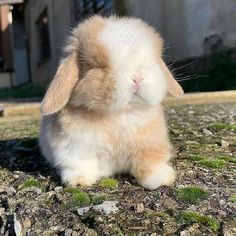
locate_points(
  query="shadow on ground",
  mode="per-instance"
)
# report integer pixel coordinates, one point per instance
(24, 155)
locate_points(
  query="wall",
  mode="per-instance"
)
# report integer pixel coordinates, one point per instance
(19, 47)
(59, 16)
(185, 24)
(6, 42)
(6, 79)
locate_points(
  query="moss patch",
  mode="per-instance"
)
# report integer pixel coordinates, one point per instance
(222, 126)
(217, 162)
(98, 199)
(189, 217)
(212, 163)
(192, 194)
(31, 183)
(196, 157)
(233, 198)
(108, 183)
(78, 197)
(48, 202)
(227, 158)
(162, 215)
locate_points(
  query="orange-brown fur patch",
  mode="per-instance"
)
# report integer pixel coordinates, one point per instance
(60, 89)
(95, 90)
(173, 87)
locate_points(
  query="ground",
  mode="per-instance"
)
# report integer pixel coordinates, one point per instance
(202, 200)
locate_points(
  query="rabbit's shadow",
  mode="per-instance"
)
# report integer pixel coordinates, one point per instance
(24, 155)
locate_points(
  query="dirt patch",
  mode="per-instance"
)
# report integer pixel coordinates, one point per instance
(201, 202)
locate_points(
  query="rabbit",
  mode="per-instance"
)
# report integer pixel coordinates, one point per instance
(102, 113)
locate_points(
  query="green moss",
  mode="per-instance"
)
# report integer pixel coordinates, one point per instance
(222, 126)
(108, 183)
(215, 163)
(227, 158)
(196, 157)
(233, 198)
(48, 202)
(189, 217)
(212, 163)
(31, 183)
(98, 199)
(162, 214)
(78, 197)
(192, 194)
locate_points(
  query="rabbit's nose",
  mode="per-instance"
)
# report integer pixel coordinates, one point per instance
(137, 79)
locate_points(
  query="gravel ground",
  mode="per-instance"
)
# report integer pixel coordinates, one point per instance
(201, 202)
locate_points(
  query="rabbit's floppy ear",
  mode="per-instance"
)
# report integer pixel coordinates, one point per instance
(60, 89)
(173, 87)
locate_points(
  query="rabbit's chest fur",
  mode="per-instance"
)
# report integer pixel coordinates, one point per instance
(107, 143)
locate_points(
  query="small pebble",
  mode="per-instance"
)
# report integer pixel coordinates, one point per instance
(2, 190)
(10, 191)
(207, 132)
(27, 223)
(58, 188)
(2, 210)
(140, 208)
(17, 226)
(54, 228)
(224, 143)
(106, 207)
(222, 202)
(68, 232)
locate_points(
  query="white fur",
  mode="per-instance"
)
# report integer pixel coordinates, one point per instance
(132, 52)
(164, 174)
(86, 153)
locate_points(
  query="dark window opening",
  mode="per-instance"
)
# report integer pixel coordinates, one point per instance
(85, 8)
(43, 37)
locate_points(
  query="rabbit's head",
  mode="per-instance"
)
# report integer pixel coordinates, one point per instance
(112, 64)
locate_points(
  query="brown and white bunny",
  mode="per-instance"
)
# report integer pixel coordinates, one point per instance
(102, 113)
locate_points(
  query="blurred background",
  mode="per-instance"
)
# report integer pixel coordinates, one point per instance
(200, 39)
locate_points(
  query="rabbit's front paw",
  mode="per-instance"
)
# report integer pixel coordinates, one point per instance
(74, 179)
(164, 174)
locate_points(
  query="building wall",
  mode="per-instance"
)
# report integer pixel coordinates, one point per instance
(6, 70)
(59, 21)
(6, 79)
(5, 36)
(185, 24)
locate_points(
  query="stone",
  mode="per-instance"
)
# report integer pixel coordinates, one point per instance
(224, 143)
(140, 208)
(17, 226)
(2, 211)
(207, 132)
(106, 207)
(191, 230)
(10, 191)
(68, 232)
(222, 202)
(54, 228)
(58, 188)
(27, 223)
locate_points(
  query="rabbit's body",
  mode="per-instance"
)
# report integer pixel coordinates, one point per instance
(111, 121)
(101, 146)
